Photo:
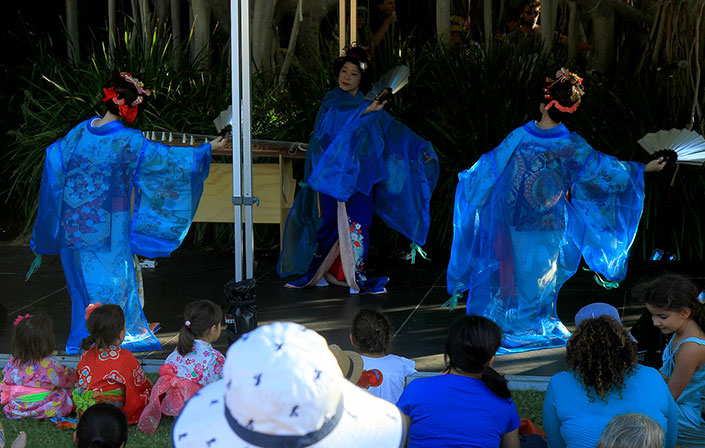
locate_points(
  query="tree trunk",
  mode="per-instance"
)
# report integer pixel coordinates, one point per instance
(146, 27)
(549, 11)
(573, 32)
(308, 47)
(176, 32)
(72, 29)
(261, 35)
(220, 11)
(443, 21)
(298, 18)
(161, 11)
(489, 35)
(200, 42)
(112, 29)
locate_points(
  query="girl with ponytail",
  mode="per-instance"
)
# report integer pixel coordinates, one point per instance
(676, 309)
(107, 372)
(470, 404)
(194, 364)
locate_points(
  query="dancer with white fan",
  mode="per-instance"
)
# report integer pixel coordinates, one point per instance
(359, 162)
(527, 212)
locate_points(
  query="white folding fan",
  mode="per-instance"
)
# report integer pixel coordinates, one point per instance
(689, 146)
(394, 80)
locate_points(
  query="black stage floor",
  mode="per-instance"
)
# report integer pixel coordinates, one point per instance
(412, 304)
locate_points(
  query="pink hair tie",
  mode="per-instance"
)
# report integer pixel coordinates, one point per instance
(21, 318)
(188, 324)
(90, 308)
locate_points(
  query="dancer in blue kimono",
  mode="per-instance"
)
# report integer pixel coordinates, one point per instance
(86, 215)
(360, 161)
(527, 211)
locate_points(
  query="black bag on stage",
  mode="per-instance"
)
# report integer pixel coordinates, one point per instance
(240, 308)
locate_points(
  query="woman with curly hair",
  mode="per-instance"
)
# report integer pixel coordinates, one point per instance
(603, 380)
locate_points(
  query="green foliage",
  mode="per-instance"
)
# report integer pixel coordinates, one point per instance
(462, 99)
(529, 404)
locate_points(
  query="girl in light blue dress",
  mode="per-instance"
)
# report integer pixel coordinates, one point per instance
(675, 309)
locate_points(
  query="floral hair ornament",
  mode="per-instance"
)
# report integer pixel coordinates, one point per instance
(90, 308)
(21, 318)
(127, 111)
(346, 52)
(564, 75)
(188, 324)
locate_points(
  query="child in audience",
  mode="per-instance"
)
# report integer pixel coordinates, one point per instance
(34, 385)
(675, 309)
(470, 404)
(631, 431)
(371, 336)
(106, 372)
(101, 425)
(194, 364)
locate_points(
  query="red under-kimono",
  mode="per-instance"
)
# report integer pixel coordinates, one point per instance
(114, 376)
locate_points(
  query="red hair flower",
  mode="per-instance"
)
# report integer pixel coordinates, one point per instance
(21, 318)
(90, 308)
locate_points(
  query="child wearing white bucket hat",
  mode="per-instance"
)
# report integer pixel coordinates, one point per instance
(282, 387)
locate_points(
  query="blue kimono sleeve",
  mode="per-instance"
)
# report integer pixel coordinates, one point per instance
(608, 197)
(168, 184)
(46, 237)
(469, 250)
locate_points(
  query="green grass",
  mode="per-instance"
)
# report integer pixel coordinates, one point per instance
(42, 433)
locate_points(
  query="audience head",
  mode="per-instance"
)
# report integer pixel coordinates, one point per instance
(371, 332)
(105, 325)
(671, 299)
(631, 431)
(102, 425)
(602, 354)
(470, 348)
(202, 320)
(282, 386)
(561, 95)
(33, 339)
(598, 309)
(529, 11)
(124, 96)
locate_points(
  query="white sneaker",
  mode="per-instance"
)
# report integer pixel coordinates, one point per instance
(354, 291)
(322, 282)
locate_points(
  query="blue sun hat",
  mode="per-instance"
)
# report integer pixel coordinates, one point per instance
(282, 387)
(598, 309)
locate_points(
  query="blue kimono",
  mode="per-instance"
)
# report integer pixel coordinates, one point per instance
(525, 214)
(85, 215)
(356, 165)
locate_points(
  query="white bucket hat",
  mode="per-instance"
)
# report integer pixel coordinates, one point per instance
(282, 387)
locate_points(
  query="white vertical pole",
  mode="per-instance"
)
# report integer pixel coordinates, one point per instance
(341, 26)
(237, 131)
(246, 135)
(353, 21)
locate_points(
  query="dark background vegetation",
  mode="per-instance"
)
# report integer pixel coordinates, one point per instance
(464, 103)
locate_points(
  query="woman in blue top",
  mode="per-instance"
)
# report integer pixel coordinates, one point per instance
(527, 211)
(86, 214)
(603, 380)
(470, 404)
(359, 162)
(675, 309)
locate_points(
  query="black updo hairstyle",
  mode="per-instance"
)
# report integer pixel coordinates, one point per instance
(103, 425)
(358, 56)
(104, 326)
(471, 344)
(124, 89)
(566, 91)
(200, 316)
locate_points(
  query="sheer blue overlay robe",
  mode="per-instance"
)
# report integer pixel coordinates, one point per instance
(352, 154)
(525, 214)
(85, 215)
